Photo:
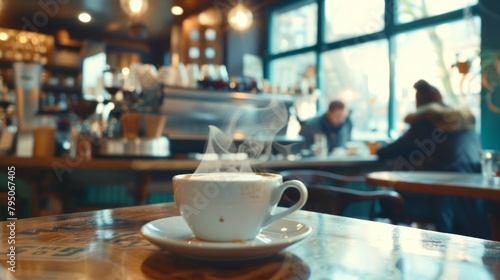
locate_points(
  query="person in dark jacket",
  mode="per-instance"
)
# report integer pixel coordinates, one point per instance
(440, 138)
(334, 124)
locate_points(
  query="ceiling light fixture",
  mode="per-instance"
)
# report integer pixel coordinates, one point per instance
(84, 17)
(134, 8)
(176, 10)
(240, 17)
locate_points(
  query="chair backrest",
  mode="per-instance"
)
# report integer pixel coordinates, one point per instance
(333, 199)
(320, 177)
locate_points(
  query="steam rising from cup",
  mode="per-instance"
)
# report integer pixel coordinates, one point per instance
(257, 139)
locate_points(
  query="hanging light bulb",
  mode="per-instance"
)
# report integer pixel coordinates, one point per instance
(134, 8)
(240, 17)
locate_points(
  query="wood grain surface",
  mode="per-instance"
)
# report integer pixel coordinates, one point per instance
(107, 244)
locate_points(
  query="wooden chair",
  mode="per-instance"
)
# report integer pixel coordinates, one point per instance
(320, 177)
(330, 199)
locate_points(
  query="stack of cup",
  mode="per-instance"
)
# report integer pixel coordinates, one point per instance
(130, 122)
(44, 132)
(373, 147)
(154, 125)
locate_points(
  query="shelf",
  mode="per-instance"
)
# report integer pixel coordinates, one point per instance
(6, 63)
(61, 89)
(69, 44)
(54, 89)
(63, 68)
(50, 67)
(53, 113)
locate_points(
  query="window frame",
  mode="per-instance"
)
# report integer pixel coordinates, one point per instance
(391, 29)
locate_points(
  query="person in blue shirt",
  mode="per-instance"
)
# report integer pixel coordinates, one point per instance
(335, 124)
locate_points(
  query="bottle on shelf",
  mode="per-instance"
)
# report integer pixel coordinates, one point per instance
(63, 137)
(63, 102)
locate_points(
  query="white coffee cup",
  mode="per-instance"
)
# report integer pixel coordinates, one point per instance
(228, 207)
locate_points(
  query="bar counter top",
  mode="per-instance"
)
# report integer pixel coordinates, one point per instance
(145, 176)
(177, 164)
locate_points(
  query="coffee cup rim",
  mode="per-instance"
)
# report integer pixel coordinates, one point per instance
(187, 176)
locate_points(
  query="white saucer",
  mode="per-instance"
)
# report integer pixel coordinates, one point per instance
(174, 234)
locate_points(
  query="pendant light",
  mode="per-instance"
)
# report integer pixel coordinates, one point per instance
(240, 17)
(134, 8)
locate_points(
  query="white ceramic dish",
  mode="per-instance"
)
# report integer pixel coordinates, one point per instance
(174, 234)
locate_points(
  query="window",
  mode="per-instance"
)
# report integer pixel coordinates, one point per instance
(357, 75)
(294, 28)
(410, 10)
(194, 35)
(200, 43)
(210, 53)
(210, 34)
(194, 52)
(288, 72)
(345, 19)
(370, 57)
(437, 48)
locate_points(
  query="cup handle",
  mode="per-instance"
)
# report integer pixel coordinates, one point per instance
(280, 190)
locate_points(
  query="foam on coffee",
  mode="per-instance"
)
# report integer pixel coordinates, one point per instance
(217, 177)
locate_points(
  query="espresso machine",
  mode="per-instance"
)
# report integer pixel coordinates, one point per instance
(134, 127)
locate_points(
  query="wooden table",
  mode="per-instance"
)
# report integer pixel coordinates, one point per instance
(441, 183)
(107, 244)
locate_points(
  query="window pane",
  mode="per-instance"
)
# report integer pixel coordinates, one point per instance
(344, 18)
(410, 10)
(194, 35)
(287, 73)
(210, 34)
(194, 52)
(210, 53)
(429, 54)
(359, 76)
(294, 28)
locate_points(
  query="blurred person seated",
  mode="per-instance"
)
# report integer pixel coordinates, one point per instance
(440, 138)
(335, 124)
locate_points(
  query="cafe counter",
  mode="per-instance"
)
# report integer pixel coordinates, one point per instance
(179, 164)
(60, 177)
